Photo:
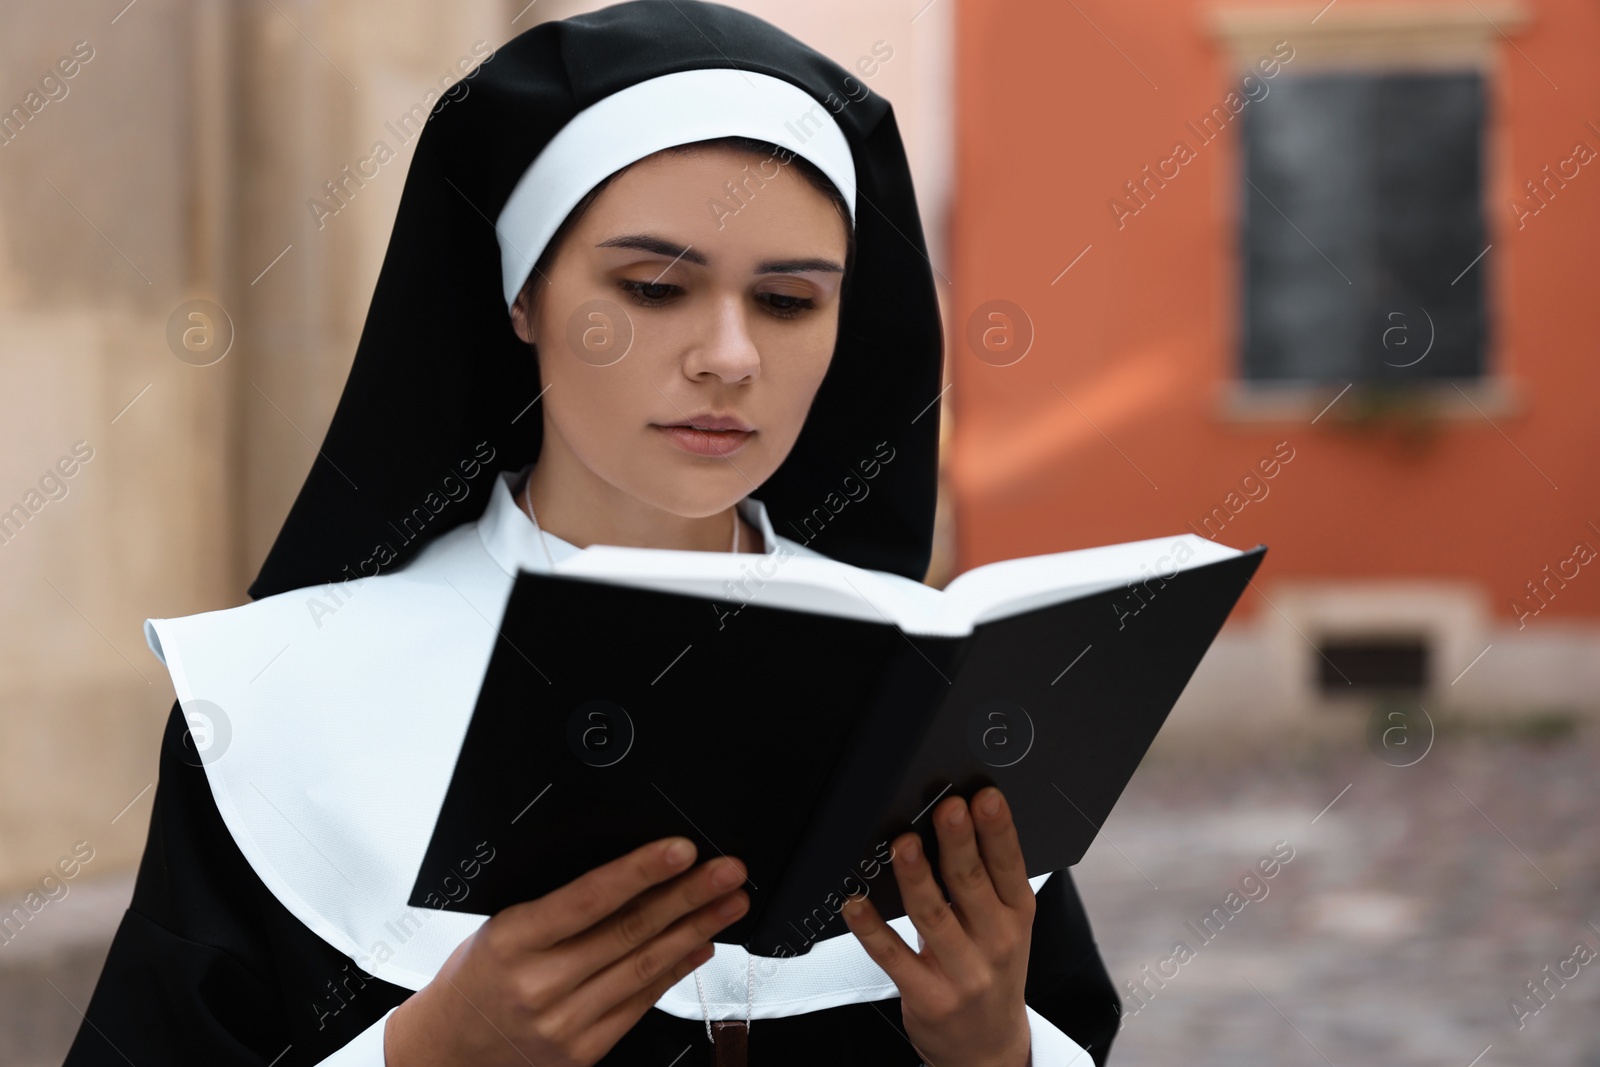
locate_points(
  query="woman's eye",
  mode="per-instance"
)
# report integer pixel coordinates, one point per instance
(785, 306)
(649, 294)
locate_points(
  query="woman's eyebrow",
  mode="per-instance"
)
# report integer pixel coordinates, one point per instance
(646, 242)
(796, 266)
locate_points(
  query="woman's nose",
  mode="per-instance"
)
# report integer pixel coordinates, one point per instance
(726, 349)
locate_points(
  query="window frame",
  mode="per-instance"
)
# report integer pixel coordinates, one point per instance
(1433, 38)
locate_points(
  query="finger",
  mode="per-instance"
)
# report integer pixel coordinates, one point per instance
(925, 903)
(608, 1029)
(642, 918)
(589, 898)
(1002, 851)
(884, 945)
(966, 878)
(641, 968)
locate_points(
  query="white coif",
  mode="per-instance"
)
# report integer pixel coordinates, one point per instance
(646, 117)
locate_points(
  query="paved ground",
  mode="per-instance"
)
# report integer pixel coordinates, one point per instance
(1399, 933)
(63, 947)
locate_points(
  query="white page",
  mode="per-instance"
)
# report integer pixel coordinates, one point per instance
(828, 587)
(800, 583)
(1010, 587)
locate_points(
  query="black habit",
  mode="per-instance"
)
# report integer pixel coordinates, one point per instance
(209, 965)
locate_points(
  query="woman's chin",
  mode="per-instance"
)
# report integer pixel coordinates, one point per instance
(695, 494)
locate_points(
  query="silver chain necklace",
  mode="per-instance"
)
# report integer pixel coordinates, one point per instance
(527, 499)
(749, 997)
(749, 992)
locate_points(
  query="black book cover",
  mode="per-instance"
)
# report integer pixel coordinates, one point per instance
(801, 743)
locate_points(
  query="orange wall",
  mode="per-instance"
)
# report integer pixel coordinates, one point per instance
(1139, 334)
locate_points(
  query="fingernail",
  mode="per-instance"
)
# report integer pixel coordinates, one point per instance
(990, 805)
(909, 851)
(958, 815)
(730, 907)
(679, 852)
(725, 874)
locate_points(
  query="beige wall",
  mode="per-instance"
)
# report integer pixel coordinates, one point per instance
(100, 237)
(182, 158)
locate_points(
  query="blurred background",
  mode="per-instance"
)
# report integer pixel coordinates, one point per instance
(1317, 276)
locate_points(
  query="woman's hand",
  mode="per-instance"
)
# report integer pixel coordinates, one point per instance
(961, 994)
(557, 981)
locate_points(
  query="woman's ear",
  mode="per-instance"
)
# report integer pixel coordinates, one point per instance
(521, 319)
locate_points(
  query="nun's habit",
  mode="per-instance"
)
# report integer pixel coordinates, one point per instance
(316, 727)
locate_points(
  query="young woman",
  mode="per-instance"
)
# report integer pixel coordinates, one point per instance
(657, 279)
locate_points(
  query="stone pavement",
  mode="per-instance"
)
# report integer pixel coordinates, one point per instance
(1414, 912)
(48, 968)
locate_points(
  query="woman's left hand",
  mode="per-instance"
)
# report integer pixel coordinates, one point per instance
(961, 995)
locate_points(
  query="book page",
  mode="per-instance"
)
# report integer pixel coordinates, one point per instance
(1010, 587)
(828, 587)
(798, 583)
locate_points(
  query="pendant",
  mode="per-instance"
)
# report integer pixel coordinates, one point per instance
(730, 1043)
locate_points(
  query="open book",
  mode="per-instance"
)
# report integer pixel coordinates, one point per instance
(799, 713)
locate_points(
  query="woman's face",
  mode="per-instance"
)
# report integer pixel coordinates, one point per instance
(671, 304)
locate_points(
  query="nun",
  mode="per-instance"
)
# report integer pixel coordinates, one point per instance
(658, 279)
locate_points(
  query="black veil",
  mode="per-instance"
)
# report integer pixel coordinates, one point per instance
(439, 370)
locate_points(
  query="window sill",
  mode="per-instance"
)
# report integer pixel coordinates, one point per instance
(1446, 34)
(1309, 401)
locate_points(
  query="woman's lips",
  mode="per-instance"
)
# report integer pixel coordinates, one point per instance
(706, 442)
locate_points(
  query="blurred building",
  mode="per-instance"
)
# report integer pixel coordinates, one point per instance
(1310, 276)
(195, 199)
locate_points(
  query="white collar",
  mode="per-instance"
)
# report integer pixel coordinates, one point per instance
(511, 539)
(334, 715)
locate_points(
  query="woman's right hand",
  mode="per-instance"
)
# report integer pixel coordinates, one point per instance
(557, 981)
